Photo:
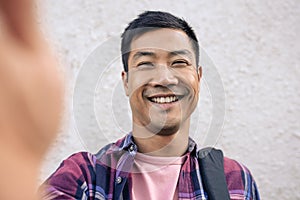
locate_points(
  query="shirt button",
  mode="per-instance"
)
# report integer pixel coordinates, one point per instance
(131, 148)
(119, 180)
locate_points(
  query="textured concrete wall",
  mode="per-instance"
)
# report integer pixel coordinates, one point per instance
(253, 48)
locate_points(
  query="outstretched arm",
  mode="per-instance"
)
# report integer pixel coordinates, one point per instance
(31, 99)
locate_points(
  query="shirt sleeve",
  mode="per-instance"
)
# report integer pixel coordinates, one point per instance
(72, 180)
(240, 182)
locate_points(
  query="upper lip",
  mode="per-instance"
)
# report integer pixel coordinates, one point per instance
(178, 92)
(164, 95)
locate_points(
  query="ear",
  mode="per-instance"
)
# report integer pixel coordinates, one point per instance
(199, 73)
(125, 82)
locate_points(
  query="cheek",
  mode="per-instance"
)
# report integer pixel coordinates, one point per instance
(136, 81)
(191, 80)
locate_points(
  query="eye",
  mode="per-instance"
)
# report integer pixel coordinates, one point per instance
(145, 65)
(180, 63)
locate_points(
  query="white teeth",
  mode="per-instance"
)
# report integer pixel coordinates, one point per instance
(168, 99)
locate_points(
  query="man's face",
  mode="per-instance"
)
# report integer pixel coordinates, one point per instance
(162, 80)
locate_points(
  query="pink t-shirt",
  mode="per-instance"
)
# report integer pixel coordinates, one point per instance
(155, 178)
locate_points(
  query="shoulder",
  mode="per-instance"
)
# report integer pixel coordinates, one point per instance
(81, 158)
(73, 168)
(231, 166)
(83, 165)
(80, 161)
(239, 180)
(235, 171)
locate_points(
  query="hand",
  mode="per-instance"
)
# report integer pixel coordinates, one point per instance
(31, 99)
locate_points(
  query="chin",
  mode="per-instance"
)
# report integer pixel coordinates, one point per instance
(167, 130)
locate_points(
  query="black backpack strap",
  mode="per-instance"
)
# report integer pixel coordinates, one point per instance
(211, 162)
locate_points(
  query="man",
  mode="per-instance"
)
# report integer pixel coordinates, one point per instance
(157, 160)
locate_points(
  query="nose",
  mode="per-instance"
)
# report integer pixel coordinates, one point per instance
(164, 76)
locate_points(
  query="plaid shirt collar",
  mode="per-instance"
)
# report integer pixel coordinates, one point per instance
(127, 143)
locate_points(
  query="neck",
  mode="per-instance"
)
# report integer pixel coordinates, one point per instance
(171, 145)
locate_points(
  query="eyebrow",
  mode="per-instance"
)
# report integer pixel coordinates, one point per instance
(183, 52)
(139, 54)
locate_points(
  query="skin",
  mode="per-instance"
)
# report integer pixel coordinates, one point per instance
(162, 63)
(31, 100)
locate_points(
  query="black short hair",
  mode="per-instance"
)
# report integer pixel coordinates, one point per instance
(151, 20)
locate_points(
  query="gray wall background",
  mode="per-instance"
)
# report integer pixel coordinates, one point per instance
(253, 46)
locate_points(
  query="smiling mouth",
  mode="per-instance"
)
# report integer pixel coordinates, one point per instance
(165, 99)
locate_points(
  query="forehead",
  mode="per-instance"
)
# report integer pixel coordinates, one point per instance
(165, 39)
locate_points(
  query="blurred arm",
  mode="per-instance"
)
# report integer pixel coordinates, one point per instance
(31, 99)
